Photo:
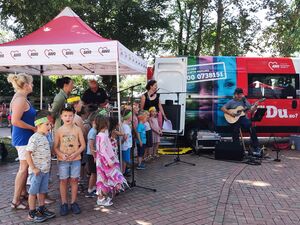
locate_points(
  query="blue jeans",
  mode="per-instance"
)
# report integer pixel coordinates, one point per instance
(245, 124)
(69, 169)
(39, 183)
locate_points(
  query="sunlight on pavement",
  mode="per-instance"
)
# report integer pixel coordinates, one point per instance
(143, 222)
(254, 183)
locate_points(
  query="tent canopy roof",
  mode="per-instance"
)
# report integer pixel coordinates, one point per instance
(65, 46)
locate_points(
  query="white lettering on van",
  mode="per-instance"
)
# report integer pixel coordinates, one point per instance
(273, 111)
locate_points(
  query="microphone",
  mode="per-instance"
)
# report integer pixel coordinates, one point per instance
(154, 92)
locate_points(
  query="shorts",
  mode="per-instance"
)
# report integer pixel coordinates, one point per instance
(39, 183)
(21, 152)
(149, 139)
(126, 155)
(91, 164)
(141, 150)
(69, 169)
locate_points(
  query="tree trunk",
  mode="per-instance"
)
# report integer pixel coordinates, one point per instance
(179, 37)
(219, 28)
(188, 31)
(200, 29)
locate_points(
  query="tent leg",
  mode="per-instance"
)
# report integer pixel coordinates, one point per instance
(41, 94)
(119, 102)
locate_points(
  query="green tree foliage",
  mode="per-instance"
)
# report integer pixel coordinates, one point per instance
(133, 22)
(49, 86)
(282, 37)
(219, 27)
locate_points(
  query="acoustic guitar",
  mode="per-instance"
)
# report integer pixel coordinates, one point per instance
(238, 112)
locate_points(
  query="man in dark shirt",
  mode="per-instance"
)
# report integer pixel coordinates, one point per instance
(240, 100)
(95, 95)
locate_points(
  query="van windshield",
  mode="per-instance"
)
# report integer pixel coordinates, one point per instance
(280, 86)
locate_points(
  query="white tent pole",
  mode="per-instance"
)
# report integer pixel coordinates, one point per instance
(119, 101)
(41, 91)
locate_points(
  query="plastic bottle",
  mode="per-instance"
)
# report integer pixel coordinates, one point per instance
(293, 147)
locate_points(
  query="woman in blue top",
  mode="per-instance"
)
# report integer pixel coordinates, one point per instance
(22, 119)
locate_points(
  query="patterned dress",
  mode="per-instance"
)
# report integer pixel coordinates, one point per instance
(109, 177)
(155, 129)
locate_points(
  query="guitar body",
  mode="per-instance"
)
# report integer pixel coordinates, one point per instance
(238, 111)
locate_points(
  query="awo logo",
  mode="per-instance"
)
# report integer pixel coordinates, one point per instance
(32, 52)
(278, 65)
(49, 52)
(15, 54)
(103, 50)
(85, 51)
(67, 52)
(273, 65)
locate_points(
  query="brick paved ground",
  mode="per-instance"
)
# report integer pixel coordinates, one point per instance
(212, 192)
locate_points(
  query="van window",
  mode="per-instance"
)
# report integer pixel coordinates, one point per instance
(273, 85)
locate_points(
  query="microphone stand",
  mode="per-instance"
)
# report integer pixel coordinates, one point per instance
(177, 158)
(133, 184)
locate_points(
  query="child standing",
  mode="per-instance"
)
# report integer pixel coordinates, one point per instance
(68, 145)
(149, 141)
(156, 131)
(109, 177)
(126, 140)
(91, 157)
(141, 139)
(38, 157)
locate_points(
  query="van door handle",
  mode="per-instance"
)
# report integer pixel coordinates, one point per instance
(294, 104)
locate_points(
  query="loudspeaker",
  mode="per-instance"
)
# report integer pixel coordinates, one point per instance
(229, 151)
(171, 112)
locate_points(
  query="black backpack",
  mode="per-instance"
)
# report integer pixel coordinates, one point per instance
(3, 151)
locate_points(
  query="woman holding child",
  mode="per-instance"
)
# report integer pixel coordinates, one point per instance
(151, 98)
(22, 119)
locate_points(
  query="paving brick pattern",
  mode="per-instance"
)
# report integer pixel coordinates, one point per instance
(212, 192)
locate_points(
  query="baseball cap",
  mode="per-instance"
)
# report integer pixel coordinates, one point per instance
(238, 91)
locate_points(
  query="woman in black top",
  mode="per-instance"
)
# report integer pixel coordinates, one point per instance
(151, 98)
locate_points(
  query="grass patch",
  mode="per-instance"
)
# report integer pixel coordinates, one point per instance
(12, 151)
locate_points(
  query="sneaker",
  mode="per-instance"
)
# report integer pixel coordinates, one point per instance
(44, 211)
(104, 202)
(140, 167)
(64, 210)
(126, 174)
(75, 208)
(90, 194)
(36, 217)
(257, 152)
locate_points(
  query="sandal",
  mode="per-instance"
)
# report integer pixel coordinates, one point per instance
(18, 206)
(24, 197)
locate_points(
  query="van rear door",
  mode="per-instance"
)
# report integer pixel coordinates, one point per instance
(171, 77)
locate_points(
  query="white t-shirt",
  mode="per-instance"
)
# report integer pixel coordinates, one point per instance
(128, 143)
(39, 147)
(147, 126)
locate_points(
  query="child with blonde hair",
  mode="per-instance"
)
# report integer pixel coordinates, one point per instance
(156, 131)
(141, 139)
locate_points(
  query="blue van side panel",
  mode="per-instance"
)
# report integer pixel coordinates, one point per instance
(210, 83)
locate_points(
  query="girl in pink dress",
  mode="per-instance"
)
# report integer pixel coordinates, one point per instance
(156, 131)
(109, 177)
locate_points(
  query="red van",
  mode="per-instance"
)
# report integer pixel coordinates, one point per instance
(194, 89)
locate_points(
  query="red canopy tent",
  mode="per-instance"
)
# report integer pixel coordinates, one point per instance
(65, 46)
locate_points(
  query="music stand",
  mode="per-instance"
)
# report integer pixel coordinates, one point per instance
(177, 158)
(258, 115)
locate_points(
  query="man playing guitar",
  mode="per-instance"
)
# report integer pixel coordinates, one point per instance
(239, 100)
